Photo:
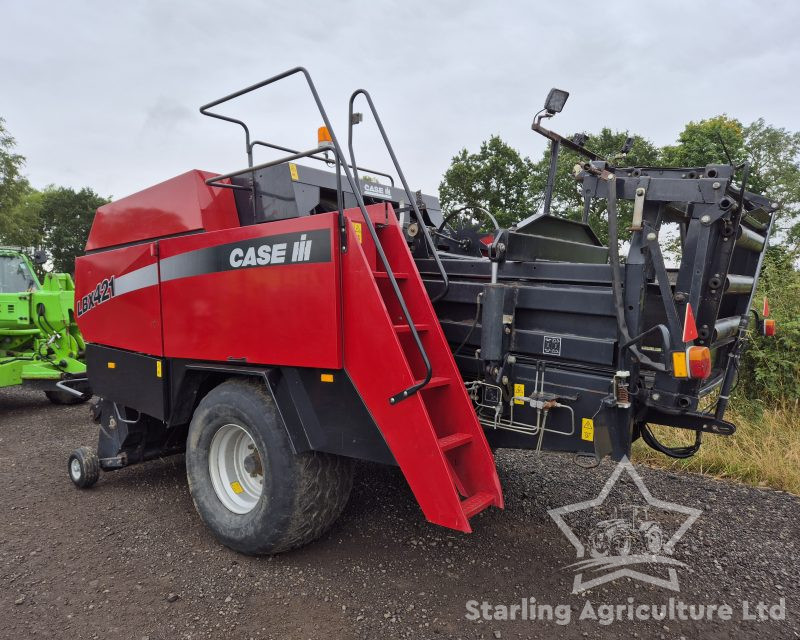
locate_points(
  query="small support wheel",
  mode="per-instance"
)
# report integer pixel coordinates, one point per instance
(83, 467)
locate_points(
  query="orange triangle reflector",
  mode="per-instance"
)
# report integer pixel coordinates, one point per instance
(689, 325)
(765, 312)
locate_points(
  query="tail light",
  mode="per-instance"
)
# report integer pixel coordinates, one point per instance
(693, 363)
(768, 327)
(699, 359)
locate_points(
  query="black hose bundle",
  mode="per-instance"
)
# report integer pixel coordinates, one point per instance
(673, 452)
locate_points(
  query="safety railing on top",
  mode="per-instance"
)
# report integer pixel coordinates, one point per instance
(411, 199)
(341, 165)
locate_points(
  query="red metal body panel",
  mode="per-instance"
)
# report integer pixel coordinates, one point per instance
(179, 205)
(282, 294)
(126, 320)
(279, 314)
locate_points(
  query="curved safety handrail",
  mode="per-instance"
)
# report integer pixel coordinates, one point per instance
(336, 148)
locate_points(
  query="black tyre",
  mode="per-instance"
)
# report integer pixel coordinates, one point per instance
(59, 396)
(248, 486)
(83, 467)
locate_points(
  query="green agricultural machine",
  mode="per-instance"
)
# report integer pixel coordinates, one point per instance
(40, 344)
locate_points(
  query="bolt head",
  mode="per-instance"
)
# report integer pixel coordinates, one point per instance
(651, 236)
(656, 397)
(716, 185)
(705, 219)
(640, 191)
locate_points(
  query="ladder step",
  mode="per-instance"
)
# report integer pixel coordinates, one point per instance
(404, 328)
(382, 275)
(476, 504)
(435, 382)
(455, 440)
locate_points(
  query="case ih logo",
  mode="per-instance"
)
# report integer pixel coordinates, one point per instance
(377, 190)
(634, 534)
(274, 253)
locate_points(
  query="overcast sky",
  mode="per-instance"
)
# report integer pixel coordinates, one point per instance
(106, 94)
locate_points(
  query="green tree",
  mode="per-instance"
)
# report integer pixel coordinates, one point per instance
(12, 184)
(66, 216)
(22, 226)
(497, 178)
(773, 154)
(567, 195)
(706, 142)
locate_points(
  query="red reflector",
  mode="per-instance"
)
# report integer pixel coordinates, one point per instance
(699, 362)
(769, 327)
(689, 326)
(765, 312)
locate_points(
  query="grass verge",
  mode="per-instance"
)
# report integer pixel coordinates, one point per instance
(764, 451)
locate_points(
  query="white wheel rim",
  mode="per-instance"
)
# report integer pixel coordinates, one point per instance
(235, 466)
(75, 469)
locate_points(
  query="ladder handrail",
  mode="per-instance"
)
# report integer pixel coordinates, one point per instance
(412, 200)
(356, 192)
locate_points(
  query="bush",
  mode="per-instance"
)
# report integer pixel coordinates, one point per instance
(770, 367)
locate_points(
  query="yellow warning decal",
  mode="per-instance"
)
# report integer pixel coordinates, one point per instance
(519, 390)
(587, 429)
(112, 365)
(326, 377)
(357, 229)
(237, 488)
(293, 171)
(158, 368)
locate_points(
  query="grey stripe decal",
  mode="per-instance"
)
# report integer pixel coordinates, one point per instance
(137, 279)
(287, 248)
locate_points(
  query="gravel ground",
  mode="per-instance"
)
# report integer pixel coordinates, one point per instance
(131, 559)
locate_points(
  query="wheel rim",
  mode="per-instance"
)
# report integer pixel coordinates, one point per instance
(236, 469)
(75, 469)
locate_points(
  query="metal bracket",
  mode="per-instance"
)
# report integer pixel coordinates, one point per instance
(708, 423)
(638, 203)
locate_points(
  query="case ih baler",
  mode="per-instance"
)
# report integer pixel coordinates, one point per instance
(276, 322)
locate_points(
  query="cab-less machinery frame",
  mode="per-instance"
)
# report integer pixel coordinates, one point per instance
(275, 321)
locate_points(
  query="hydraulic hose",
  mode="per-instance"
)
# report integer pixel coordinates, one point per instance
(680, 453)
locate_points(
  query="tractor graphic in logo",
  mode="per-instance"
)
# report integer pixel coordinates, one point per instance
(619, 536)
